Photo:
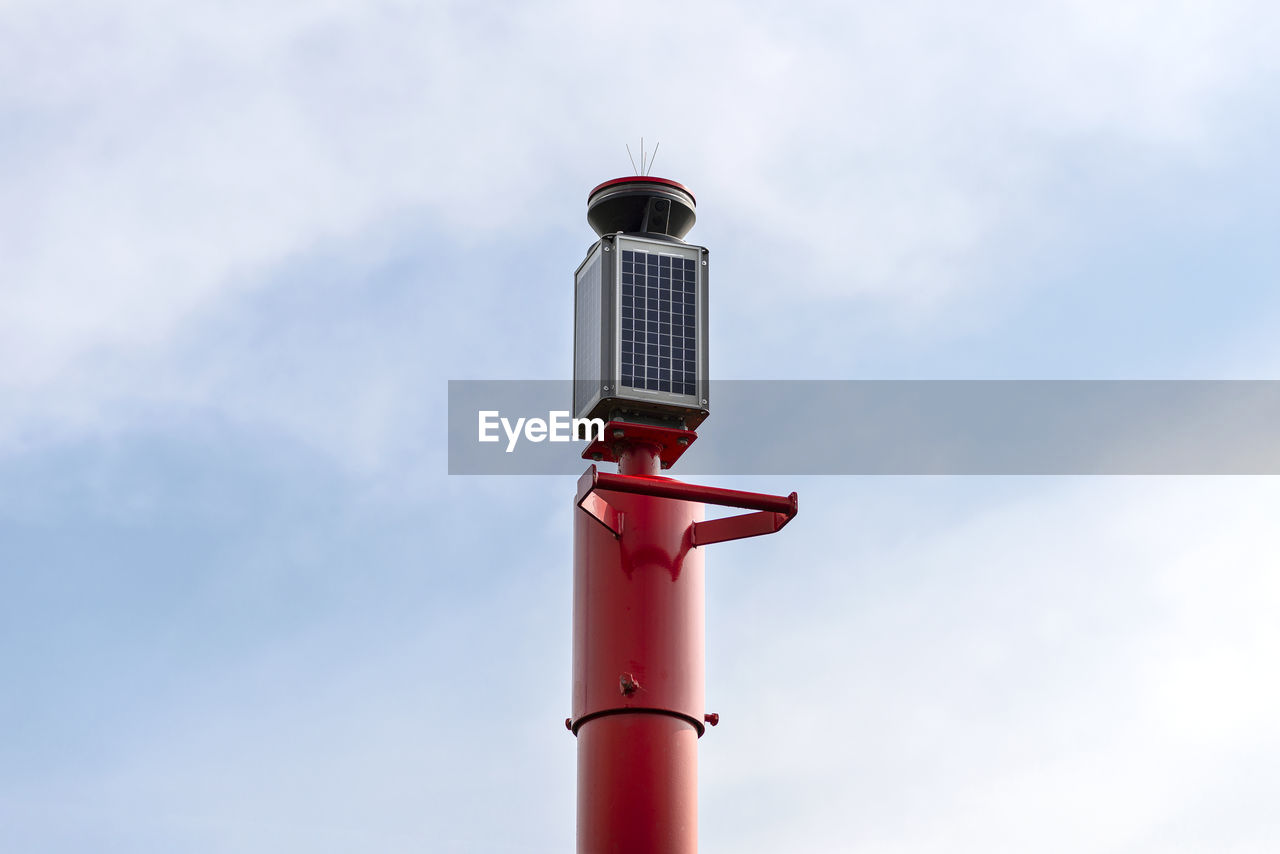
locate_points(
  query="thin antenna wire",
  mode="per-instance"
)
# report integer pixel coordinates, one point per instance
(654, 156)
(632, 159)
(641, 155)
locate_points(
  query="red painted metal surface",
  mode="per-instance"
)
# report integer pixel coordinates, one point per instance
(637, 785)
(638, 653)
(638, 179)
(619, 435)
(639, 648)
(665, 487)
(638, 610)
(773, 511)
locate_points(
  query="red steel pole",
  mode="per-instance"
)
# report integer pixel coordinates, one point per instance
(639, 638)
(638, 670)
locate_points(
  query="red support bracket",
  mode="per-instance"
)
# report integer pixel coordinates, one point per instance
(773, 512)
(738, 527)
(602, 511)
(670, 442)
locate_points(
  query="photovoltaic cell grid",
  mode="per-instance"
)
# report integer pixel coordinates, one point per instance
(659, 302)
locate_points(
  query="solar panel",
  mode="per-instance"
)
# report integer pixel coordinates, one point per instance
(659, 322)
(587, 331)
(640, 326)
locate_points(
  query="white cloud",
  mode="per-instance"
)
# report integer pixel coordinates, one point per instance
(1085, 667)
(161, 160)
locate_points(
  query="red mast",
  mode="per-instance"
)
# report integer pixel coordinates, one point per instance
(638, 586)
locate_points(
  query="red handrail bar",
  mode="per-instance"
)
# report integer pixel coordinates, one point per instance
(773, 511)
(592, 479)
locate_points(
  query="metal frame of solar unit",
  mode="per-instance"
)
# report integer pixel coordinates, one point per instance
(599, 327)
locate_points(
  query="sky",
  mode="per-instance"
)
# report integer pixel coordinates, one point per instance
(244, 246)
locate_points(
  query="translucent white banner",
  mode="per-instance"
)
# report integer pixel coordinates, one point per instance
(941, 427)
